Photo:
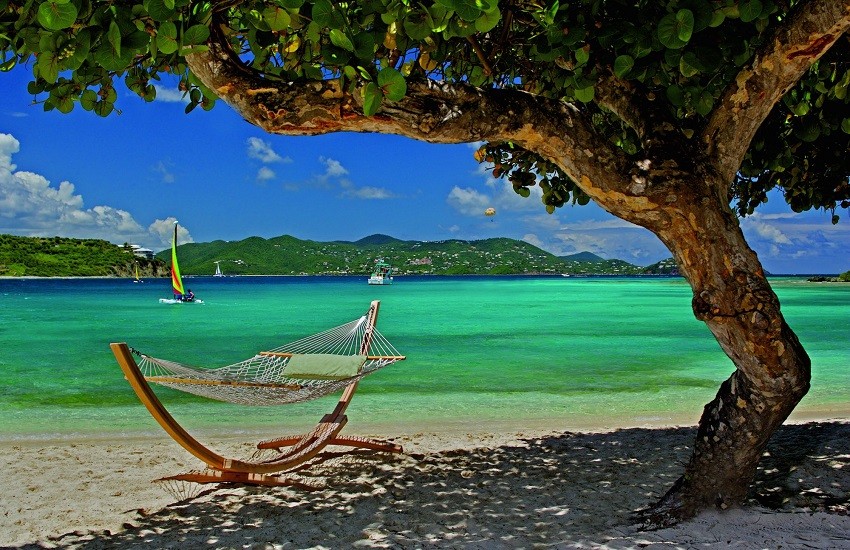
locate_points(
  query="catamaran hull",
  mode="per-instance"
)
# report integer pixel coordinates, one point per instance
(173, 301)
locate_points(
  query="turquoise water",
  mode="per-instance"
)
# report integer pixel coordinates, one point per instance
(518, 350)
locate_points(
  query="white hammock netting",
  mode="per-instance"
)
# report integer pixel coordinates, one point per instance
(263, 379)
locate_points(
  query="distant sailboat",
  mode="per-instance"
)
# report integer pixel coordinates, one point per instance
(218, 272)
(137, 280)
(177, 289)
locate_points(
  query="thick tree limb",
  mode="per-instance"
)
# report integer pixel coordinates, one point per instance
(432, 111)
(631, 105)
(795, 45)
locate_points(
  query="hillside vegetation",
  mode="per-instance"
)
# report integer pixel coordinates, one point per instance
(64, 257)
(286, 255)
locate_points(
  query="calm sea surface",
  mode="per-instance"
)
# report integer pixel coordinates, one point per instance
(564, 352)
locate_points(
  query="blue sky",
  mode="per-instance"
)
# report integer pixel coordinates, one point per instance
(126, 178)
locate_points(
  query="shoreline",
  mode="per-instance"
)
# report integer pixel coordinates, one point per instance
(452, 487)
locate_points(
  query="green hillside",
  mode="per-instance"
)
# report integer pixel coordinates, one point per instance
(287, 255)
(64, 257)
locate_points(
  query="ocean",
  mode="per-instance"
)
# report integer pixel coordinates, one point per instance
(499, 353)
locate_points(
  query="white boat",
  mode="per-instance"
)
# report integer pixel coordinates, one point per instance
(218, 272)
(382, 274)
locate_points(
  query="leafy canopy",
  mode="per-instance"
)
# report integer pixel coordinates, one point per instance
(680, 55)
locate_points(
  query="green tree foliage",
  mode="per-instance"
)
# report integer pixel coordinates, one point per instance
(64, 257)
(682, 53)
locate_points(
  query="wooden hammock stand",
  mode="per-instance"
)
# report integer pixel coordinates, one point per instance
(301, 448)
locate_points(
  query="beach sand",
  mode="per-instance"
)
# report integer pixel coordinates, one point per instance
(450, 489)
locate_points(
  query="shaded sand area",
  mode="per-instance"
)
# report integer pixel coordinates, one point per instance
(561, 490)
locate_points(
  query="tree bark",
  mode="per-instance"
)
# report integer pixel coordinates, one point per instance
(733, 297)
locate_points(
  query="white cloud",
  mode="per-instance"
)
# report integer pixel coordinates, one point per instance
(370, 193)
(170, 95)
(265, 173)
(163, 230)
(31, 206)
(164, 171)
(769, 232)
(468, 201)
(334, 168)
(262, 151)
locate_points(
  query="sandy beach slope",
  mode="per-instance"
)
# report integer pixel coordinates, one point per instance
(561, 490)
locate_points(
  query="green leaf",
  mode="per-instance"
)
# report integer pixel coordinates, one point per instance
(623, 65)
(65, 104)
(56, 16)
(48, 66)
(88, 100)
(114, 37)
(585, 95)
(196, 35)
(688, 65)
(323, 13)
(582, 56)
(668, 32)
(468, 10)
(717, 19)
(277, 18)
(808, 130)
(290, 4)
(364, 46)
(103, 108)
(392, 83)
(750, 10)
(488, 20)
(675, 95)
(158, 10)
(105, 57)
(845, 125)
(169, 4)
(417, 26)
(341, 40)
(704, 104)
(371, 99)
(166, 38)
(685, 24)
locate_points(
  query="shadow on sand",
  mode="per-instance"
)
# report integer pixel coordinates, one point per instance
(572, 487)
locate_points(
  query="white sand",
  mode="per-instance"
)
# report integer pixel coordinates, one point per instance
(449, 490)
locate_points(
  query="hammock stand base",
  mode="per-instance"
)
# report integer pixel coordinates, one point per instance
(301, 449)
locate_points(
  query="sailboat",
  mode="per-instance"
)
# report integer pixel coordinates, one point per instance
(218, 272)
(181, 296)
(137, 280)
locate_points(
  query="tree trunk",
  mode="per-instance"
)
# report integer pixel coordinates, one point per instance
(773, 371)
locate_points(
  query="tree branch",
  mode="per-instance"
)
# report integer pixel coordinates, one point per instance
(796, 43)
(620, 97)
(431, 111)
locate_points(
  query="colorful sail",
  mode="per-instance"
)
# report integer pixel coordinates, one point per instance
(176, 281)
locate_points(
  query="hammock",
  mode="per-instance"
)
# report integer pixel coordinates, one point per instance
(302, 370)
(308, 368)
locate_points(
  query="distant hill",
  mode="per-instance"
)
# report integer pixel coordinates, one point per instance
(664, 267)
(287, 255)
(65, 257)
(582, 257)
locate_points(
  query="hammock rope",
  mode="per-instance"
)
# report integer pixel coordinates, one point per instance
(263, 378)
